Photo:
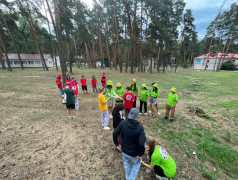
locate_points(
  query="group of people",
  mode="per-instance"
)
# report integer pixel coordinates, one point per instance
(128, 136)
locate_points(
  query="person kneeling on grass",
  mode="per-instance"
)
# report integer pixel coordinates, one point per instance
(160, 161)
(70, 101)
(171, 103)
(133, 141)
(103, 107)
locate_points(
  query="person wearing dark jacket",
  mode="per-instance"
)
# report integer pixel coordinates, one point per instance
(133, 141)
(117, 118)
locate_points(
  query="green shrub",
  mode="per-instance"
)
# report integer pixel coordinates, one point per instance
(228, 66)
(186, 64)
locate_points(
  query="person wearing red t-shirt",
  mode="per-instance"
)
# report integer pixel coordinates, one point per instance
(94, 84)
(74, 86)
(84, 84)
(128, 98)
(104, 81)
(59, 84)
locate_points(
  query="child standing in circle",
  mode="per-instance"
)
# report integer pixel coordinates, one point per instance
(104, 108)
(74, 86)
(128, 98)
(171, 103)
(154, 96)
(110, 94)
(144, 98)
(94, 84)
(70, 104)
(59, 84)
(84, 84)
(156, 106)
(119, 91)
(134, 90)
(160, 161)
(104, 81)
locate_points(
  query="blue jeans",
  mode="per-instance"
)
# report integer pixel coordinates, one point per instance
(61, 92)
(132, 166)
(77, 102)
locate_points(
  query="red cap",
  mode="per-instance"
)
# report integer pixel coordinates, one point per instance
(59, 75)
(103, 75)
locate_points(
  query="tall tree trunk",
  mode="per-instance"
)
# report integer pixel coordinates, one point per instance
(5, 51)
(68, 51)
(141, 39)
(114, 53)
(1, 60)
(107, 48)
(158, 60)
(60, 43)
(93, 52)
(118, 44)
(87, 54)
(13, 40)
(220, 42)
(76, 53)
(132, 33)
(51, 41)
(219, 62)
(30, 22)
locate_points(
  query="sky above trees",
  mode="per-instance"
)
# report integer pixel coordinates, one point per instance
(204, 11)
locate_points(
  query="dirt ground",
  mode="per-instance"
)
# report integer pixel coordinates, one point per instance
(37, 141)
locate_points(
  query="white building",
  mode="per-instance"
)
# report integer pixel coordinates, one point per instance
(29, 60)
(212, 60)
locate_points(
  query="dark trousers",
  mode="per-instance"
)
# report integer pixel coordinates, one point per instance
(127, 112)
(159, 171)
(134, 103)
(141, 106)
(95, 89)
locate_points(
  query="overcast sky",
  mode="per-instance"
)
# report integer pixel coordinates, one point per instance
(204, 11)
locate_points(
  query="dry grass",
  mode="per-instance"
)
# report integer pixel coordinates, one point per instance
(39, 142)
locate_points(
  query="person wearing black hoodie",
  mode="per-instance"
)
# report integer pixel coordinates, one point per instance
(133, 141)
(117, 118)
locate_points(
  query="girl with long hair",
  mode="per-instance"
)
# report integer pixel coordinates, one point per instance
(160, 161)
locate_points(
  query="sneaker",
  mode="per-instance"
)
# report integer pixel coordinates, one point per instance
(161, 178)
(106, 128)
(159, 113)
(76, 109)
(73, 117)
(153, 116)
(140, 113)
(110, 116)
(165, 117)
(171, 120)
(149, 111)
(148, 170)
(69, 117)
(145, 113)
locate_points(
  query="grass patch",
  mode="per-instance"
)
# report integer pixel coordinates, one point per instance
(229, 104)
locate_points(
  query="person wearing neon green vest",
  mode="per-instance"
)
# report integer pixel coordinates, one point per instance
(119, 91)
(134, 90)
(160, 161)
(144, 98)
(171, 103)
(154, 96)
(110, 93)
